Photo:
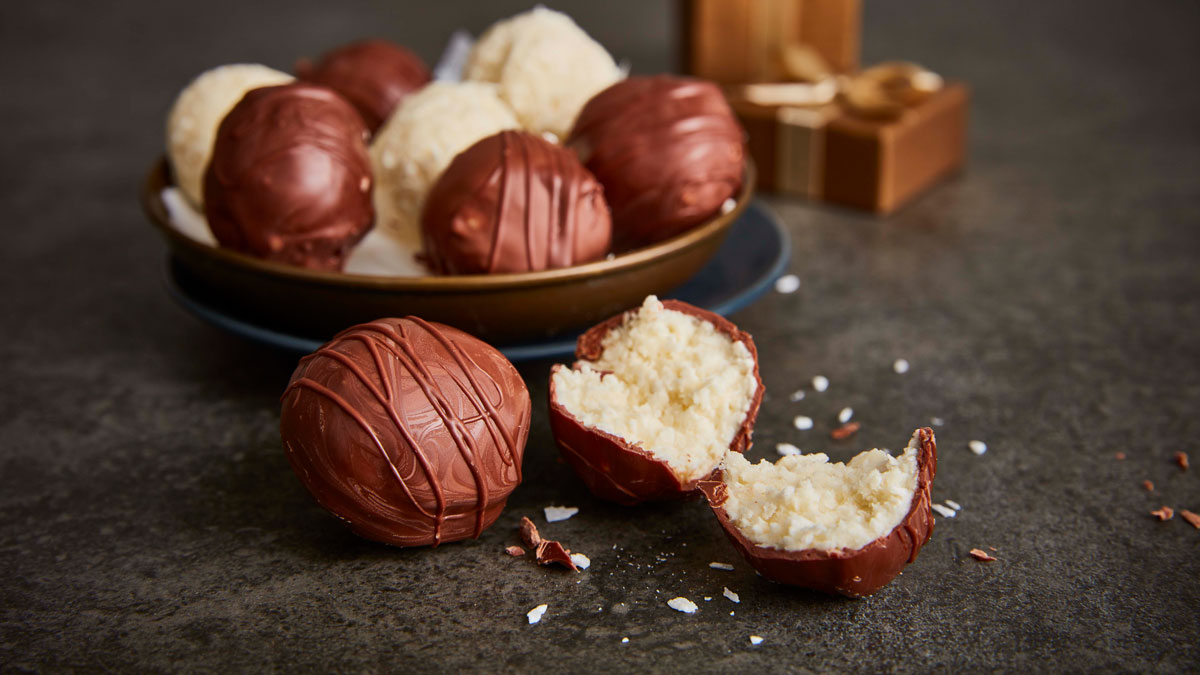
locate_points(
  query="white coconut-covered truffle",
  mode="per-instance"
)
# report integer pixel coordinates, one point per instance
(424, 133)
(198, 111)
(546, 67)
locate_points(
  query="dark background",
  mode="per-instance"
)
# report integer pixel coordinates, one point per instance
(1048, 299)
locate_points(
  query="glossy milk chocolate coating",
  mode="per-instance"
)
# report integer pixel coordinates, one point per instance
(412, 432)
(514, 202)
(289, 178)
(618, 469)
(668, 151)
(851, 573)
(374, 75)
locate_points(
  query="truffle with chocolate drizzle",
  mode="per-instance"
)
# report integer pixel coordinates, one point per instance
(514, 202)
(410, 431)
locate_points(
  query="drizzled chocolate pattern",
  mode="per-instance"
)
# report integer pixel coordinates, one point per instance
(667, 150)
(289, 178)
(374, 75)
(410, 431)
(514, 202)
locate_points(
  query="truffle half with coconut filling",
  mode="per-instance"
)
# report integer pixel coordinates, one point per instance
(838, 528)
(657, 398)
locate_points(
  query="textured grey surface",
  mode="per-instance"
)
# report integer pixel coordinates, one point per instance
(1048, 299)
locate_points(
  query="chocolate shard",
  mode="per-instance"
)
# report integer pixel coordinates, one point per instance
(553, 553)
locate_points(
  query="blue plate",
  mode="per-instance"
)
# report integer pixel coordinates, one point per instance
(754, 253)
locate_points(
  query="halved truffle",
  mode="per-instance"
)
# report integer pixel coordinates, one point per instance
(658, 396)
(845, 529)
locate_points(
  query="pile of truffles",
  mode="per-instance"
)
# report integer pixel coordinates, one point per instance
(542, 156)
(413, 434)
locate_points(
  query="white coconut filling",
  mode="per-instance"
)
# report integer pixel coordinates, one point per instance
(672, 384)
(806, 502)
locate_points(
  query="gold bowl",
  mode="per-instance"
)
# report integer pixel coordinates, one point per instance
(499, 308)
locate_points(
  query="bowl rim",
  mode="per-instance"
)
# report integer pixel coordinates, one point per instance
(159, 177)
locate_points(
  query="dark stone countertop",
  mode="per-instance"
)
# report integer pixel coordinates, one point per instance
(1048, 300)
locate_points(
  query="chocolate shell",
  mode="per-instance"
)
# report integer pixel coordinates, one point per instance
(514, 202)
(617, 469)
(668, 151)
(289, 179)
(851, 573)
(412, 432)
(374, 75)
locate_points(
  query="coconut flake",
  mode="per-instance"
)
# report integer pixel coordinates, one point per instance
(721, 566)
(682, 604)
(786, 449)
(937, 421)
(728, 205)
(755, 640)
(954, 505)
(788, 283)
(624, 640)
(900, 366)
(820, 383)
(535, 614)
(802, 422)
(734, 597)
(797, 395)
(944, 511)
(581, 561)
(977, 447)
(557, 513)
(845, 415)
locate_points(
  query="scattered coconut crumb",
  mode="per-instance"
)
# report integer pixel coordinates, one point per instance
(900, 366)
(1165, 513)
(1120, 456)
(515, 551)
(557, 513)
(981, 555)
(845, 431)
(733, 597)
(845, 415)
(1181, 459)
(1191, 518)
(797, 395)
(721, 566)
(581, 561)
(682, 604)
(788, 283)
(728, 205)
(820, 383)
(802, 422)
(944, 511)
(1148, 485)
(954, 505)
(707, 598)
(937, 421)
(535, 614)
(624, 640)
(786, 449)
(977, 447)
(755, 640)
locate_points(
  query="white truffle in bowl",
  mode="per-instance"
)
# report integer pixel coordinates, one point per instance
(546, 68)
(424, 133)
(198, 111)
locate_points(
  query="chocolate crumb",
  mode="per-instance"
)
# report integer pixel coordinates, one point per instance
(845, 431)
(981, 555)
(1191, 518)
(1148, 485)
(1181, 459)
(515, 551)
(1120, 456)
(529, 533)
(1164, 513)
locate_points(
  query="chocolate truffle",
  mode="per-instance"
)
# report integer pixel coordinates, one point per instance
(290, 179)
(514, 202)
(411, 432)
(844, 529)
(374, 75)
(668, 151)
(656, 399)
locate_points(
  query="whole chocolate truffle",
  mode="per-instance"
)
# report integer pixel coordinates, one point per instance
(374, 75)
(514, 202)
(668, 151)
(290, 178)
(412, 432)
